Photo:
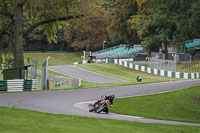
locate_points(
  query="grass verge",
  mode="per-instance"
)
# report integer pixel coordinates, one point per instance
(56, 58)
(123, 73)
(14, 120)
(182, 105)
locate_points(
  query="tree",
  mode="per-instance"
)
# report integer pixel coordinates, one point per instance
(122, 12)
(187, 17)
(20, 17)
(87, 33)
(152, 23)
(166, 22)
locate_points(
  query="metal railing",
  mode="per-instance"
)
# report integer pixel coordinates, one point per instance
(59, 82)
(168, 65)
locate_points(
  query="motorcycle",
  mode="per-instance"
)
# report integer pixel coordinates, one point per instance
(101, 105)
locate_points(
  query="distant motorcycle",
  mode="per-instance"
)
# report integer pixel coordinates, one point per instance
(102, 104)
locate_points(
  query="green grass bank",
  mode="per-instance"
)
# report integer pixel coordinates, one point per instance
(14, 120)
(123, 73)
(182, 105)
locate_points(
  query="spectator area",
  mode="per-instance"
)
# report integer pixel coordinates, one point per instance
(119, 51)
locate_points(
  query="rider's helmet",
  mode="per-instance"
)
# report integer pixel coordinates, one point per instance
(113, 96)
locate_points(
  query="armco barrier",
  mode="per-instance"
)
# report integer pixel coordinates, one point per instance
(81, 62)
(3, 85)
(156, 71)
(18, 85)
(102, 60)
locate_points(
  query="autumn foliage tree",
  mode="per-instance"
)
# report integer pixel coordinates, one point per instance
(18, 18)
(87, 33)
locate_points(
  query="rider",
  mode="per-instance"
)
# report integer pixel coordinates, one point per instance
(139, 78)
(111, 99)
(102, 104)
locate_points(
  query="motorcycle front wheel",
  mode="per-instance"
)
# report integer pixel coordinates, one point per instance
(91, 109)
(94, 107)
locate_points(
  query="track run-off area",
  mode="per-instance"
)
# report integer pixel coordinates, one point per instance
(75, 102)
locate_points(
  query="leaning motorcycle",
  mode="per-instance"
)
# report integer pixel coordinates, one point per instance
(102, 104)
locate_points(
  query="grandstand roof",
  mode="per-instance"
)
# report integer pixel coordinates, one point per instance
(193, 44)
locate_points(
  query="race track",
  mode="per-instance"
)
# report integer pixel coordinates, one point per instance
(83, 74)
(70, 102)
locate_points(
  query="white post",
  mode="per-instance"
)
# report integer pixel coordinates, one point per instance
(83, 55)
(79, 84)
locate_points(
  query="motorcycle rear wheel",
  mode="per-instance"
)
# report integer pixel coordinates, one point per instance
(101, 108)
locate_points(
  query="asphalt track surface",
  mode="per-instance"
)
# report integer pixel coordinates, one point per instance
(82, 74)
(75, 102)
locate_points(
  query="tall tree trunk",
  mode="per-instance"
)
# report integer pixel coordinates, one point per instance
(18, 35)
(87, 47)
(176, 56)
(148, 51)
(165, 51)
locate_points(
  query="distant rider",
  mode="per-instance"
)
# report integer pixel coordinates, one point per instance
(139, 78)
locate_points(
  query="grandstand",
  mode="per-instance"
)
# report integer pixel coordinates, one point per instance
(195, 44)
(119, 52)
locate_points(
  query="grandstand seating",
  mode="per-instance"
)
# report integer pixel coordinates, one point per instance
(118, 51)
